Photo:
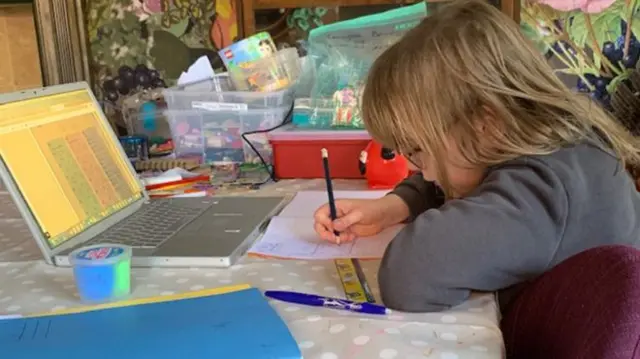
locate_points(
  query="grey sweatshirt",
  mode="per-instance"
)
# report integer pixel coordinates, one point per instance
(526, 216)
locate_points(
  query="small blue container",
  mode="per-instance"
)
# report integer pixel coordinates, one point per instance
(136, 147)
(102, 272)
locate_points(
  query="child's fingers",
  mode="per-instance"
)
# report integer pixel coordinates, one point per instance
(323, 216)
(347, 237)
(324, 232)
(349, 219)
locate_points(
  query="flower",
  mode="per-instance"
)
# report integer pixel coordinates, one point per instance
(152, 6)
(588, 6)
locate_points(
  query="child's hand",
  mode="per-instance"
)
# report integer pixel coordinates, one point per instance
(359, 217)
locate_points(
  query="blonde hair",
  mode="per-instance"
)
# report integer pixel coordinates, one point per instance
(467, 61)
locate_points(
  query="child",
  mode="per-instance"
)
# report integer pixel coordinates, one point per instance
(532, 172)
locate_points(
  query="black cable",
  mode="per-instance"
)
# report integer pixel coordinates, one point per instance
(272, 176)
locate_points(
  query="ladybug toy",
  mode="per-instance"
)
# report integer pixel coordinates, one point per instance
(382, 167)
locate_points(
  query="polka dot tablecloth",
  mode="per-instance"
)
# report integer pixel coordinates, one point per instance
(29, 285)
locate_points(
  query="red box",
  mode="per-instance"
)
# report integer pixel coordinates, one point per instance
(296, 152)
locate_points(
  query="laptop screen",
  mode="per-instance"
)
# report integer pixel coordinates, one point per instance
(65, 162)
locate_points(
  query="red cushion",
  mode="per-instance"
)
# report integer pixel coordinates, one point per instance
(586, 307)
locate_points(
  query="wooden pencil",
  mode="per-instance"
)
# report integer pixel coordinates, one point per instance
(332, 201)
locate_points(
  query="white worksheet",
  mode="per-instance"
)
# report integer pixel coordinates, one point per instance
(288, 237)
(291, 234)
(305, 203)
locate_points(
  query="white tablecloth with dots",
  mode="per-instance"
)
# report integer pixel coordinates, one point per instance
(29, 285)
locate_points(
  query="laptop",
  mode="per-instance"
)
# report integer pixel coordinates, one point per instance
(74, 185)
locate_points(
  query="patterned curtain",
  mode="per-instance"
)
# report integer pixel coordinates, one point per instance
(155, 40)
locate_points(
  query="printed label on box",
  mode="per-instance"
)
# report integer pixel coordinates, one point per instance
(219, 106)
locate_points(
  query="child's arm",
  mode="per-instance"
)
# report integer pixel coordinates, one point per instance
(504, 234)
(419, 195)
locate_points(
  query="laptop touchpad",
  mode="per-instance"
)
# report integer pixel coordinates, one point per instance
(222, 229)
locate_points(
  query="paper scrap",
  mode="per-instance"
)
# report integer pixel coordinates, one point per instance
(178, 171)
(172, 175)
(200, 70)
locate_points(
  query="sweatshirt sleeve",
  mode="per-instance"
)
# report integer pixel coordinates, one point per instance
(506, 232)
(418, 194)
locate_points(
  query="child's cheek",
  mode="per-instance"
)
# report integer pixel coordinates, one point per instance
(429, 175)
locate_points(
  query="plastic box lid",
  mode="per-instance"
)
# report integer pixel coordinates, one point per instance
(293, 133)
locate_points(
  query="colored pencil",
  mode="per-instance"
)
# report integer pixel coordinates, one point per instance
(202, 178)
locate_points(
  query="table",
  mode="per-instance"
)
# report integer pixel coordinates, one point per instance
(29, 285)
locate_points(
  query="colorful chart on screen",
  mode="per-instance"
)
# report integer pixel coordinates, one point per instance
(64, 162)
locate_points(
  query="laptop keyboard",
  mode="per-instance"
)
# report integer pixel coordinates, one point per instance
(152, 225)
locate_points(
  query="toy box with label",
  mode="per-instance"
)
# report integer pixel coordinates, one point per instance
(209, 118)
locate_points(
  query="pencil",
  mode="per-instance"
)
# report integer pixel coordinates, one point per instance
(188, 180)
(332, 201)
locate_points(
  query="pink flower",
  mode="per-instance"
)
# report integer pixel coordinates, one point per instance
(588, 6)
(152, 6)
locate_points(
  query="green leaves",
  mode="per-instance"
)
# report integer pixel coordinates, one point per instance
(631, 9)
(577, 31)
(611, 87)
(605, 27)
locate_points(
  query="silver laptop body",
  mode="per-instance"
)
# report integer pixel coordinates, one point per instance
(74, 197)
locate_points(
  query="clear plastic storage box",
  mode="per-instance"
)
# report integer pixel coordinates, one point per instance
(207, 118)
(216, 136)
(217, 94)
(153, 124)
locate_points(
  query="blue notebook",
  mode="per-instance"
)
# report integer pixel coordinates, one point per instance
(235, 325)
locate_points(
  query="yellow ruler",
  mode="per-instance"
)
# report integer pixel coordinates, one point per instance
(150, 300)
(353, 281)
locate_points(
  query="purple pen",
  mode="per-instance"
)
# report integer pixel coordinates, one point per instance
(319, 301)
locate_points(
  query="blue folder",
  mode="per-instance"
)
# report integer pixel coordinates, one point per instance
(235, 325)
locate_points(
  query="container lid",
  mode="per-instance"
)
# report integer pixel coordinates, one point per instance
(293, 133)
(100, 254)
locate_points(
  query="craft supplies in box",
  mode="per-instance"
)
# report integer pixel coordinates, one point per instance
(339, 112)
(296, 152)
(216, 136)
(210, 95)
(102, 272)
(316, 114)
(165, 164)
(342, 53)
(151, 122)
(136, 147)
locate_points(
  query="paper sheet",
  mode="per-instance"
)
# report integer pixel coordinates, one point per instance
(305, 203)
(295, 238)
(291, 234)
